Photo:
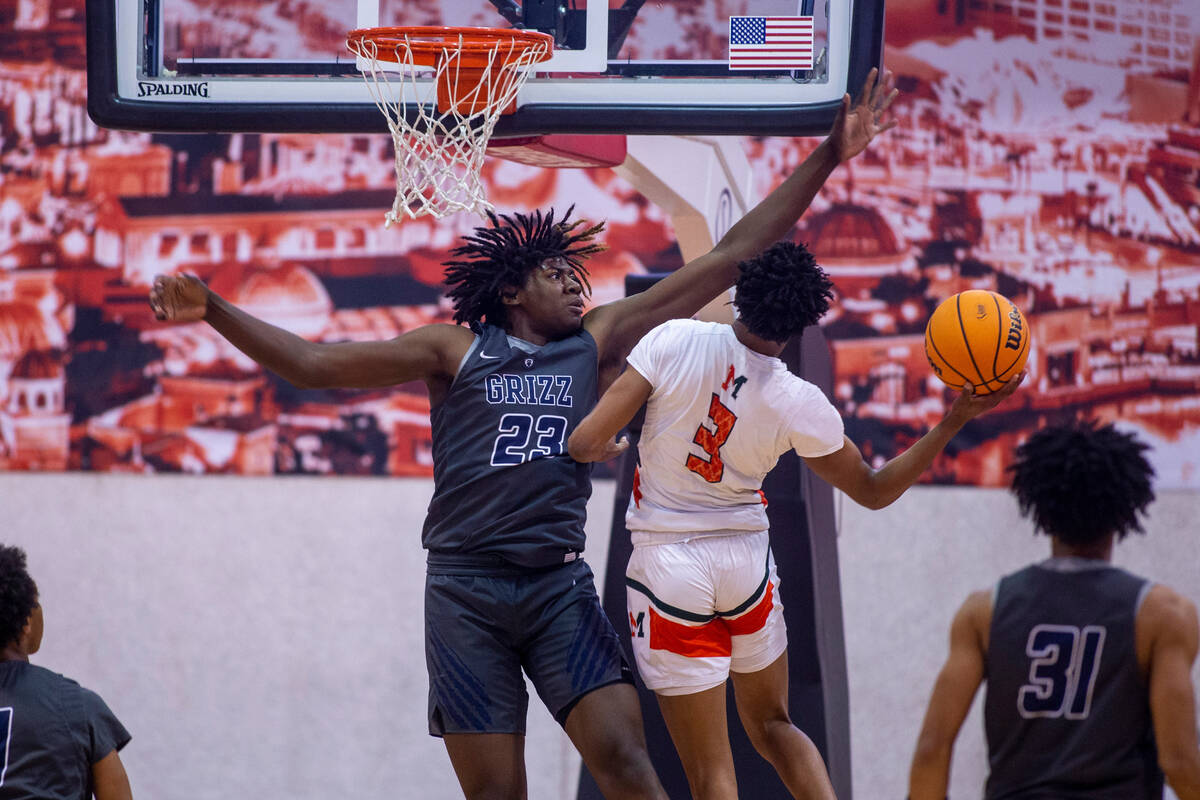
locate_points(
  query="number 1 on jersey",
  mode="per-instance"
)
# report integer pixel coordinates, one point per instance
(722, 418)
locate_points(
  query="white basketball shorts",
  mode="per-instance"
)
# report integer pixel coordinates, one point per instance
(702, 607)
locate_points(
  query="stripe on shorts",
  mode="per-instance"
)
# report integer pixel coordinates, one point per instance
(713, 638)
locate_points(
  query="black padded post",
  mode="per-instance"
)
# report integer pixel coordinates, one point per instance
(803, 538)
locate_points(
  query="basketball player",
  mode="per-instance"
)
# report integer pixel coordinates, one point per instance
(1088, 667)
(507, 589)
(60, 740)
(702, 590)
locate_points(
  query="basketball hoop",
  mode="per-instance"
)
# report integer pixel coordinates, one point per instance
(476, 73)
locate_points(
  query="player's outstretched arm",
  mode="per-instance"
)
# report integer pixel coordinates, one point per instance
(847, 470)
(618, 325)
(594, 439)
(953, 693)
(1167, 624)
(109, 781)
(429, 353)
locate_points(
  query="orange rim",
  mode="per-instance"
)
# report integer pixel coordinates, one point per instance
(428, 43)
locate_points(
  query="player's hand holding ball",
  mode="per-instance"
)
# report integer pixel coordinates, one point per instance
(978, 339)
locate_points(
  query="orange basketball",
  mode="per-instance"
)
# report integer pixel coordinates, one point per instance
(977, 337)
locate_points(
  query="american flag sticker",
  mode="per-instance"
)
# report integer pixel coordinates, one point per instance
(770, 42)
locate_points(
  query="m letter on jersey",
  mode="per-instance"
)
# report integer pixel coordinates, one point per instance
(635, 625)
(534, 390)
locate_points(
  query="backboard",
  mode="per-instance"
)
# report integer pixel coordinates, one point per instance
(619, 66)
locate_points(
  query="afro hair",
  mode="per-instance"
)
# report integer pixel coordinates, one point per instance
(782, 291)
(503, 255)
(18, 594)
(1083, 481)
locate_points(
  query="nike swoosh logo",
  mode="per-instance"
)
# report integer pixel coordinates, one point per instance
(485, 355)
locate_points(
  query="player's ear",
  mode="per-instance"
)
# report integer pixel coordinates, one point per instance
(30, 639)
(508, 295)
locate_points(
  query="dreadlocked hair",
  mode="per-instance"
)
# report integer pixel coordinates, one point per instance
(18, 594)
(503, 255)
(782, 291)
(1082, 481)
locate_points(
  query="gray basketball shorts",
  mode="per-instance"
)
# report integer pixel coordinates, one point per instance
(482, 630)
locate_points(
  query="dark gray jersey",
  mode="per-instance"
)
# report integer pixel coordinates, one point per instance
(54, 730)
(1067, 711)
(503, 482)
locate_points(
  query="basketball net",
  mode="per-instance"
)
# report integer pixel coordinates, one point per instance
(441, 127)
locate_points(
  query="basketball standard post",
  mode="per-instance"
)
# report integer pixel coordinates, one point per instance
(705, 184)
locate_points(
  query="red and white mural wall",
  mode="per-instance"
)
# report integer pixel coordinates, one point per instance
(1047, 149)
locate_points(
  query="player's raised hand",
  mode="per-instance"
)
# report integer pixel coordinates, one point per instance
(178, 298)
(856, 126)
(969, 405)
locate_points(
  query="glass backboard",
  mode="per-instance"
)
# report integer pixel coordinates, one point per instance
(619, 66)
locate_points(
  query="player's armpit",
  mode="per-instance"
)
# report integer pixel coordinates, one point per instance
(1167, 625)
(952, 696)
(109, 780)
(592, 439)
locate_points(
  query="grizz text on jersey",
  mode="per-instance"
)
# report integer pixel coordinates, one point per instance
(540, 390)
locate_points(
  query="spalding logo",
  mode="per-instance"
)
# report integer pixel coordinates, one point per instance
(980, 312)
(1013, 342)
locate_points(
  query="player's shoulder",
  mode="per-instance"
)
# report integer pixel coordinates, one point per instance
(449, 331)
(804, 395)
(49, 678)
(690, 327)
(49, 689)
(676, 333)
(974, 617)
(1166, 611)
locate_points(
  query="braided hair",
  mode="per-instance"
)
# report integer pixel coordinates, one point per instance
(503, 255)
(782, 291)
(1083, 481)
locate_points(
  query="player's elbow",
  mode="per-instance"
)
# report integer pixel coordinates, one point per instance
(870, 495)
(932, 750)
(579, 447)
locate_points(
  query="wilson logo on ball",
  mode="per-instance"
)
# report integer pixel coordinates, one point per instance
(1015, 325)
(977, 337)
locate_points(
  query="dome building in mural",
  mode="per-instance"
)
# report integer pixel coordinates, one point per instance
(856, 246)
(288, 295)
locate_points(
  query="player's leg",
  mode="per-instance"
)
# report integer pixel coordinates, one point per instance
(682, 651)
(573, 657)
(749, 599)
(700, 731)
(489, 766)
(605, 726)
(477, 697)
(763, 708)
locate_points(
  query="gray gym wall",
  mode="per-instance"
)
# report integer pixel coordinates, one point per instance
(262, 637)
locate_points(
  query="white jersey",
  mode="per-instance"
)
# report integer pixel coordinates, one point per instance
(719, 417)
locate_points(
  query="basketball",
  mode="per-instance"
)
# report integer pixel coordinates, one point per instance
(977, 337)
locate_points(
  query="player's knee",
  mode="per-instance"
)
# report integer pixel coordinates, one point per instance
(626, 764)
(770, 733)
